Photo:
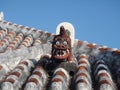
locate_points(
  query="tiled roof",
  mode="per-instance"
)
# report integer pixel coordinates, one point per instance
(22, 47)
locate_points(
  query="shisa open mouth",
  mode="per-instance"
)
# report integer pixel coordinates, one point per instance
(61, 53)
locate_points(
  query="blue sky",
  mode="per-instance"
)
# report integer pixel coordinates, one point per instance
(95, 21)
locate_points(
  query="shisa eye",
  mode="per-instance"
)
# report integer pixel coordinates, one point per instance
(65, 42)
(57, 43)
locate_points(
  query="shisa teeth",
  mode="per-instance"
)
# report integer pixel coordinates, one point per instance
(64, 52)
(60, 52)
(67, 50)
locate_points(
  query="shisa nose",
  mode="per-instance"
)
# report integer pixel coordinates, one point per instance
(61, 46)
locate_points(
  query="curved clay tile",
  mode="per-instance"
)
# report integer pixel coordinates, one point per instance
(82, 62)
(81, 81)
(56, 80)
(33, 80)
(103, 77)
(37, 73)
(60, 79)
(3, 33)
(83, 56)
(117, 52)
(82, 74)
(91, 45)
(24, 62)
(102, 49)
(10, 80)
(80, 43)
(15, 73)
(37, 42)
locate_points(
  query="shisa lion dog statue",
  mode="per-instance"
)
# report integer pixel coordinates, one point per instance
(61, 54)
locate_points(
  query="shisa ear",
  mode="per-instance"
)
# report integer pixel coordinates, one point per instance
(68, 32)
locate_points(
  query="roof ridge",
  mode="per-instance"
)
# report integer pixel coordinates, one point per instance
(6, 24)
(101, 48)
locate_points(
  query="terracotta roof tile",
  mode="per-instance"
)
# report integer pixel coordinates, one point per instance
(14, 37)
